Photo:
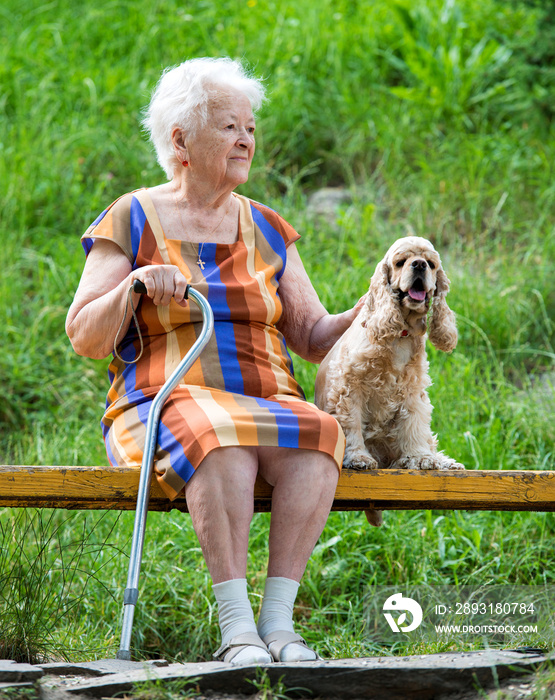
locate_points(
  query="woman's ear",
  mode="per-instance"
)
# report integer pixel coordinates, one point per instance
(385, 313)
(442, 330)
(178, 137)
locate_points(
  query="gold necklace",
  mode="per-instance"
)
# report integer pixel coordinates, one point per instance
(200, 261)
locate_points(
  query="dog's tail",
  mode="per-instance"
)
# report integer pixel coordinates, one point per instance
(374, 517)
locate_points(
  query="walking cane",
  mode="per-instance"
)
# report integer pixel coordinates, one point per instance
(131, 594)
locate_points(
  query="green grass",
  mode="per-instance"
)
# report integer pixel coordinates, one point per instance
(435, 116)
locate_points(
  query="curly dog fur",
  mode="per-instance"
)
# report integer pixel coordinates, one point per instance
(375, 378)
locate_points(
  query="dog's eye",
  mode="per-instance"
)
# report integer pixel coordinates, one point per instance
(432, 265)
(400, 263)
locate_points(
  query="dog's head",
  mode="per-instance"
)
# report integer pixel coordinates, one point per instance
(413, 267)
(406, 283)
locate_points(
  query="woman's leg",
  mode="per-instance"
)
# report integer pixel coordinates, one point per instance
(220, 498)
(304, 486)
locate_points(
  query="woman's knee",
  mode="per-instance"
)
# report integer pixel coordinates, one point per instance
(287, 463)
(224, 470)
(325, 470)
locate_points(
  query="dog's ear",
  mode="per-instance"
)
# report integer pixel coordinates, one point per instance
(383, 304)
(442, 283)
(442, 330)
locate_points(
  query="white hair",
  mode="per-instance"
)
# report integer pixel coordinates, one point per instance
(181, 97)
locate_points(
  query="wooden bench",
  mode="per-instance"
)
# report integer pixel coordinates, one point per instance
(115, 488)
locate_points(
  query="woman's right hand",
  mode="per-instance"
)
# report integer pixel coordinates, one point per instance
(95, 315)
(163, 282)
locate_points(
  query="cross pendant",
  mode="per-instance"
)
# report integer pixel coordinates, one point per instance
(200, 263)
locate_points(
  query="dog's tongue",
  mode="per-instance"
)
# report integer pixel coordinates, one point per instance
(417, 295)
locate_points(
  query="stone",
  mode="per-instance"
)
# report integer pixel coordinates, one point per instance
(101, 667)
(328, 201)
(47, 693)
(113, 684)
(12, 672)
(11, 686)
(387, 678)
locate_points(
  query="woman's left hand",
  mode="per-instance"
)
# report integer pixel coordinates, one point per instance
(309, 330)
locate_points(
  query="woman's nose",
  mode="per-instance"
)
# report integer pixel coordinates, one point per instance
(245, 139)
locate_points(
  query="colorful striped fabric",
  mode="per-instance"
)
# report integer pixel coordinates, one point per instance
(242, 390)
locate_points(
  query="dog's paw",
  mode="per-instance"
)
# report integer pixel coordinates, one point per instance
(359, 461)
(427, 463)
(419, 462)
(450, 464)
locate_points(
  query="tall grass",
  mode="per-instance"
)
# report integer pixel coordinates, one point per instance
(434, 115)
(46, 564)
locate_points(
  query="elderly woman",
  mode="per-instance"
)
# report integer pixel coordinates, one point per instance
(239, 411)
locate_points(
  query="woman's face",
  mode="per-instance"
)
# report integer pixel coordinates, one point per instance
(221, 151)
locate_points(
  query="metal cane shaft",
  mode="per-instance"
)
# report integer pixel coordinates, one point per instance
(151, 440)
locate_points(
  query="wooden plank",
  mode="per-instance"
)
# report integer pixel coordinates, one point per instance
(108, 488)
(456, 490)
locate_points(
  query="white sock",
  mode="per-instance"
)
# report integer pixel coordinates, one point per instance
(236, 617)
(276, 614)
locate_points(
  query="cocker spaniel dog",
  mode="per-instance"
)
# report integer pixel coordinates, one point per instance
(375, 378)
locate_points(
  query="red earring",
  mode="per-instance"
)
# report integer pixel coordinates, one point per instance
(185, 163)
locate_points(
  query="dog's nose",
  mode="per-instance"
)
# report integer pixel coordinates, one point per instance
(419, 265)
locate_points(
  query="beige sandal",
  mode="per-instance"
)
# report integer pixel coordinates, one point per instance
(227, 652)
(278, 640)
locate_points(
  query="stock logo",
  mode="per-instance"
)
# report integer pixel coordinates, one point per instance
(403, 605)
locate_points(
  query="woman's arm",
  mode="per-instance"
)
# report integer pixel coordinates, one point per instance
(306, 325)
(99, 304)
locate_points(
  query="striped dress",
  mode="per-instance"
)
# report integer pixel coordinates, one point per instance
(241, 391)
